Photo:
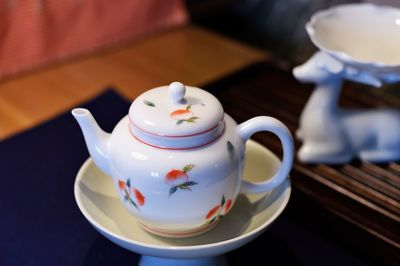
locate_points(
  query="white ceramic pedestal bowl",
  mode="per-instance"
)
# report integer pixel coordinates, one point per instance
(365, 36)
(249, 217)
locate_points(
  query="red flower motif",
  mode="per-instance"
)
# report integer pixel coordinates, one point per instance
(139, 197)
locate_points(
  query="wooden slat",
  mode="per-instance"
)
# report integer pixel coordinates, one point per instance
(360, 189)
(395, 169)
(381, 173)
(371, 181)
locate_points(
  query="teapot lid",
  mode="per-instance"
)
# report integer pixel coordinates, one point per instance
(176, 111)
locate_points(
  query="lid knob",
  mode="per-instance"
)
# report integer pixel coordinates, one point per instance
(177, 92)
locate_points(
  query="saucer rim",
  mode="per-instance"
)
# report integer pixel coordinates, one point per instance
(239, 238)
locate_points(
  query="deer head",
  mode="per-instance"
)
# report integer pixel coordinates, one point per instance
(322, 68)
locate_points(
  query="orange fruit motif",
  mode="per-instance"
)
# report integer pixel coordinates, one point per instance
(181, 114)
(184, 115)
(228, 205)
(121, 184)
(175, 177)
(179, 179)
(139, 197)
(219, 211)
(213, 212)
(130, 194)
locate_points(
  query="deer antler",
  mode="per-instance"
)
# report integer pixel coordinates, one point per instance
(361, 76)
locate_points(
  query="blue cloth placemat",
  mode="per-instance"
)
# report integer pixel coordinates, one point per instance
(40, 223)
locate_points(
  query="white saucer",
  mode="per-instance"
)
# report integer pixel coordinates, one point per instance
(250, 216)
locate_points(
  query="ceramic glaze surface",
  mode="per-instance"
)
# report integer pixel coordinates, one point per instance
(363, 35)
(176, 110)
(336, 135)
(249, 217)
(174, 181)
(180, 184)
(358, 42)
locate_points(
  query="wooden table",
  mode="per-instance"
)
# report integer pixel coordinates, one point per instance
(189, 54)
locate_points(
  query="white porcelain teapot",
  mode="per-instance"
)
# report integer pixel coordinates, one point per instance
(177, 159)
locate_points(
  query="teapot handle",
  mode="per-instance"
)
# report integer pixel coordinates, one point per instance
(270, 124)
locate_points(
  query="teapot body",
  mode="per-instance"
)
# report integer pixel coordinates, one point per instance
(177, 159)
(176, 192)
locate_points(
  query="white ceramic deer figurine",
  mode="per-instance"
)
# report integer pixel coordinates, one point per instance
(334, 135)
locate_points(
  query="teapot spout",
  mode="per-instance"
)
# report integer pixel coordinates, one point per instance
(97, 140)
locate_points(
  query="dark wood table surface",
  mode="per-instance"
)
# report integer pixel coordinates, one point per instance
(357, 203)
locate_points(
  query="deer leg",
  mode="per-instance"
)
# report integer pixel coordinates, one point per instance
(388, 144)
(380, 156)
(325, 152)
